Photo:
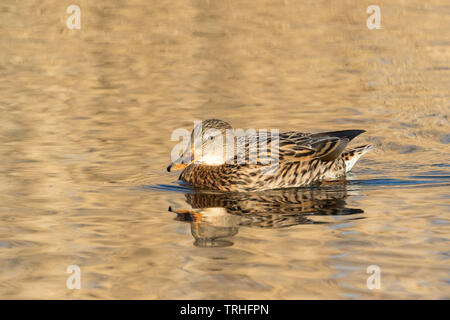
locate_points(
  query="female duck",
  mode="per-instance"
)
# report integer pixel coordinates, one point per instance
(217, 159)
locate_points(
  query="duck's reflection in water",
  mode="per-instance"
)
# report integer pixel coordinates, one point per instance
(216, 217)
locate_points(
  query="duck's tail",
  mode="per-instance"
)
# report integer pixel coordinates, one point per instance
(351, 156)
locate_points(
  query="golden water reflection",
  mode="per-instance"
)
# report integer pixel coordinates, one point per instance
(86, 118)
(216, 217)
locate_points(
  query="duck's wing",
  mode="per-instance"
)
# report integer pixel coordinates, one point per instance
(292, 146)
(325, 146)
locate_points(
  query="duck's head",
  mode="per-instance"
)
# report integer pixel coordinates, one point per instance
(207, 145)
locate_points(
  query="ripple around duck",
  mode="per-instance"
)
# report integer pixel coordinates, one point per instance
(169, 188)
(431, 179)
(424, 181)
(387, 182)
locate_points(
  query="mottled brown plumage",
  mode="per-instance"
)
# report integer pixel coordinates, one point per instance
(302, 159)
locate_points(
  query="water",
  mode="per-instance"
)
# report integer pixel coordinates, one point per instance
(87, 115)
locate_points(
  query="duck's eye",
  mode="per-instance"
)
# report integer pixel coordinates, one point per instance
(211, 138)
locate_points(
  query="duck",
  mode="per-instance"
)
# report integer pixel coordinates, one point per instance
(217, 158)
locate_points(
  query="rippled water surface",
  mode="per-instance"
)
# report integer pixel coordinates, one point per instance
(86, 118)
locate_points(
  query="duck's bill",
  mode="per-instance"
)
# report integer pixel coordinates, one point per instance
(182, 162)
(176, 166)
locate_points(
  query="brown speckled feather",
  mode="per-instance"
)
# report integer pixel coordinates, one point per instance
(304, 159)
